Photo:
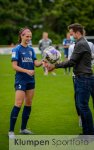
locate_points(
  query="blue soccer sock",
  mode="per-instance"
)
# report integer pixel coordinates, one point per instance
(13, 117)
(25, 116)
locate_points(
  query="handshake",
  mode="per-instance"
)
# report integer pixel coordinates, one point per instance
(50, 67)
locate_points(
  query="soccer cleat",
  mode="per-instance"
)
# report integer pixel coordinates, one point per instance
(25, 131)
(11, 135)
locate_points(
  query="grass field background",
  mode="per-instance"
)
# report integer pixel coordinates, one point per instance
(53, 109)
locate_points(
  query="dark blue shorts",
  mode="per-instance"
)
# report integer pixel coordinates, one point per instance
(24, 87)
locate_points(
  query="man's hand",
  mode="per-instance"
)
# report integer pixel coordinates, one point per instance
(50, 67)
(44, 63)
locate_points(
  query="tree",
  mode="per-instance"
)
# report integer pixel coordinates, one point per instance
(43, 15)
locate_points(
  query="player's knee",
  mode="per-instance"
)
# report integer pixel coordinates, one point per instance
(28, 103)
(18, 104)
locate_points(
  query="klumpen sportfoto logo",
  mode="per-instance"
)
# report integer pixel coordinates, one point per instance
(50, 141)
(54, 142)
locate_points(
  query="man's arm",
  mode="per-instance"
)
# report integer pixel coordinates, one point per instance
(75, 58)
(69, 63)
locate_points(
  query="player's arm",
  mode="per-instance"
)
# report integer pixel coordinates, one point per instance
(40, 45)
(19, 69)
(38, 63)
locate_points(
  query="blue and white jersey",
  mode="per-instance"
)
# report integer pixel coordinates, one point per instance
(67, 42)
(25, 57)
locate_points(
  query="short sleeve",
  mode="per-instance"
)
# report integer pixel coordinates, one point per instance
(15, 56)
(34, 55)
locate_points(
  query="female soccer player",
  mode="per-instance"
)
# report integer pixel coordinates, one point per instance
(23, 62)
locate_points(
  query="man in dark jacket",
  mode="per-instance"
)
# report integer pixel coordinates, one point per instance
(84, 79)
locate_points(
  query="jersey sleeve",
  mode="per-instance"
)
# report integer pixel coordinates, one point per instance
(15, 54)
(34, 55)
(50, 42)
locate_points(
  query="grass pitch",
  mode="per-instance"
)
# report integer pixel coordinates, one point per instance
(53, 109)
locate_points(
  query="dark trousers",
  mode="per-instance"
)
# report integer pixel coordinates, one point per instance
(74, 85)
(83, 87)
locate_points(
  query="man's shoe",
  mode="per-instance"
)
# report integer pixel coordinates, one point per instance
(11, 135)
(25, 131)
